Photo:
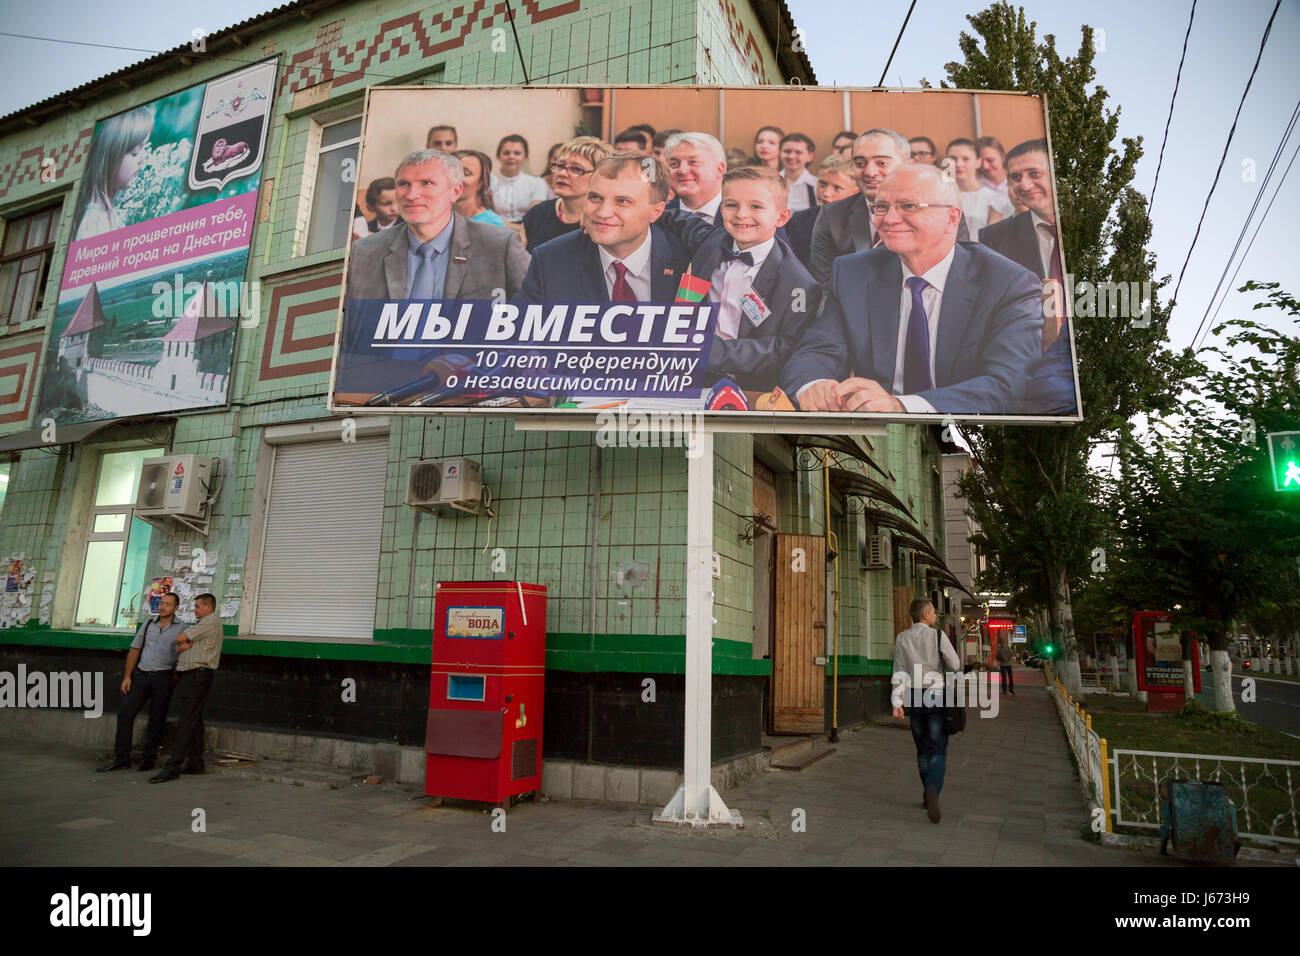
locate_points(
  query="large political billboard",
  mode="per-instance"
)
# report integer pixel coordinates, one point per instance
(792, 254)
(154, 286)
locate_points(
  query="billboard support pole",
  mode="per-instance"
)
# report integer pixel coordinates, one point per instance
(696, 802)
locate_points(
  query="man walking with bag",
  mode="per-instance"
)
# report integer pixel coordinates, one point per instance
(920, 654)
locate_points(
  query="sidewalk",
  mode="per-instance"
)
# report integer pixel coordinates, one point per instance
(1010, 798)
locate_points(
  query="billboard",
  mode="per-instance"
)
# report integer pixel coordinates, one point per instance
(154, 284)
(761, 263)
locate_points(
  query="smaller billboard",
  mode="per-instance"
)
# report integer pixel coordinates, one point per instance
(154, 283)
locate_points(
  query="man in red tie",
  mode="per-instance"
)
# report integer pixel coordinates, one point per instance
(1032, 240)
(619, 255)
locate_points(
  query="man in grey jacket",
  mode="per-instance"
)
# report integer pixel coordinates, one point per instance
(918, 680)
(439, 254)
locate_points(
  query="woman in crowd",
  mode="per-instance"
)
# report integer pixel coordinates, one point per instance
(992, 163)
(571, 171)
(546, 173)
(475, 200)
(514, 191)
(980, 205)
(767, 147)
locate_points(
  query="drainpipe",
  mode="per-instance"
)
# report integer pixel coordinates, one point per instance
(833, 545)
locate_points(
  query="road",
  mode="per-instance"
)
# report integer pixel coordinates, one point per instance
(1276, 704)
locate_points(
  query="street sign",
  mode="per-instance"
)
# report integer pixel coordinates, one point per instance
(1284, 457)
(1020, 635)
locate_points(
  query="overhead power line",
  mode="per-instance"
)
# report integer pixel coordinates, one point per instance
(1227, 144)
(1178, 77)
(1245, 226)
(196, 55)
(896, 42)
(1258, 227)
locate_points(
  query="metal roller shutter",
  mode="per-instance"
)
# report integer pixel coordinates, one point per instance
(320, 559)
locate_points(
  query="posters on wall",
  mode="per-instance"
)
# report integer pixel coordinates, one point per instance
(154, 285)
(696, 280)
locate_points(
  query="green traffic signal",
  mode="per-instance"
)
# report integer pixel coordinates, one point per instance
(1048, 650)
(1284, 457)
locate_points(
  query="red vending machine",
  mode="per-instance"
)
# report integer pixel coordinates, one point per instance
(483, 736)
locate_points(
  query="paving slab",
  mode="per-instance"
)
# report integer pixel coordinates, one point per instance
(1010, 798)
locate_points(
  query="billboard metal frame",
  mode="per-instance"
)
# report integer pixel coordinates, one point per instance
(582, 419)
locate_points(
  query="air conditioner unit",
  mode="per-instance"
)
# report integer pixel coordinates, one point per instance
(877, 555)
(444, 483)
(178, 485)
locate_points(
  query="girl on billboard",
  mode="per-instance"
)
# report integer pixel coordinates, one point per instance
(120, 148)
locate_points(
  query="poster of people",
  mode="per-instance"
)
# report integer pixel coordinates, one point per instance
(786, 252)
(154, 283)
(154, 593)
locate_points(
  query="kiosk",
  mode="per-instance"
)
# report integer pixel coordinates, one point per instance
(483, 736)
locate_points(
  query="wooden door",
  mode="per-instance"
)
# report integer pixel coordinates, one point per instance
(799, 635)
(902, 609)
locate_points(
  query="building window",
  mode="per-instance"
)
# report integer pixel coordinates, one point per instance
(336, 170)
(6, 475)
(25, 264)
(117, 544)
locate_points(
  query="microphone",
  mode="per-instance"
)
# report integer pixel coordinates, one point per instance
(436, 372)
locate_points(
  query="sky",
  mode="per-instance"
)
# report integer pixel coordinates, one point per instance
(1142, 43)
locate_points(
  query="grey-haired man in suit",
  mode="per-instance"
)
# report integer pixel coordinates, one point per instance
(440, 254)
(846, 226)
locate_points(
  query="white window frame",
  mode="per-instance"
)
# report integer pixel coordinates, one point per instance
(90, 535)
(310, 166)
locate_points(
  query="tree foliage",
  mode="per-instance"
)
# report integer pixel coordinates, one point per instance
(1033, 494)
(1203, 529)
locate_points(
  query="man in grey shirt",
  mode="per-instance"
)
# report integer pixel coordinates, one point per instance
(918, 680)
(150, 668)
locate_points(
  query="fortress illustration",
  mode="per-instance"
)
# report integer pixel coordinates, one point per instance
(192, 371)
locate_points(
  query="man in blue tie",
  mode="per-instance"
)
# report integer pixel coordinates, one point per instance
(924, 324)
(440, 254)
(436, 254)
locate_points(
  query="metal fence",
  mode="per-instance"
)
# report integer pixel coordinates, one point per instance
(1263, 790)
(1088, 748)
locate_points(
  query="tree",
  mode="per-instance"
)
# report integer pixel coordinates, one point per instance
(1032, 492)
(1203, 525)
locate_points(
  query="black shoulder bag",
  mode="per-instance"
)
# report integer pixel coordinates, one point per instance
(954, 718)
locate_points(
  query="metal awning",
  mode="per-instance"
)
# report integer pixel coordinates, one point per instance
(841, 445)
(864, 487)
(906, 527)
(73, 433)
(942, 571)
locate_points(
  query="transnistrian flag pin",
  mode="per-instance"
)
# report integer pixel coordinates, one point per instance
(693, 288)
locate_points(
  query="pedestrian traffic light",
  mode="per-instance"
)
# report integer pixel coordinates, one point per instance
(1284, 457)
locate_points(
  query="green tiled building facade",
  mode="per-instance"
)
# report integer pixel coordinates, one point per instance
(604, 529)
